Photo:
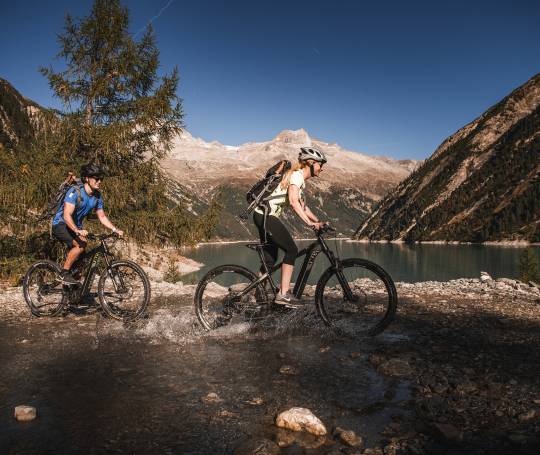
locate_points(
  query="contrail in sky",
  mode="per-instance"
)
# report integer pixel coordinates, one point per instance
(155, 17)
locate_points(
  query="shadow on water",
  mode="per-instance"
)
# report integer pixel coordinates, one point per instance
(135, 390)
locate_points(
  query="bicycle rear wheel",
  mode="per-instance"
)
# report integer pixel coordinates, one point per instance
(219, 299)
(43, 289)
(124, 291)
(370, 305)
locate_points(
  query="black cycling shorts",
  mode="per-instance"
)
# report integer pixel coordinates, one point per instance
(277, 236)
(65, 235)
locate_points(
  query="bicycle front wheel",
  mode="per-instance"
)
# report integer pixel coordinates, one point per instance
(221, 297)
(359, 298)
(43, 290)
(124, 291)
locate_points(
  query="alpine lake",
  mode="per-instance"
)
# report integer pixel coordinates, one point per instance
(405, 262)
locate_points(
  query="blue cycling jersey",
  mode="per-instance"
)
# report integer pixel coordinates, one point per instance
(82, 209)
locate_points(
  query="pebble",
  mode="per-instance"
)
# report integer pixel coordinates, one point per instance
(349, 437)
(257, 401)
(25, 413)
(526, 416)
(211, 398)
(288, 369)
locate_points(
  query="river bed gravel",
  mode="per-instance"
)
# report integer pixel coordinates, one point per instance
(457, 372)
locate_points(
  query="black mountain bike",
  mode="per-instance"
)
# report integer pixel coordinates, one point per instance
(353, 296)
(123, 287)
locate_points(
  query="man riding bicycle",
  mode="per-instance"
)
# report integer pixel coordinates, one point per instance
(271, 229)
(67, 225)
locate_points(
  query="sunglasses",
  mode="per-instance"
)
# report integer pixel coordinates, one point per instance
(98, 179)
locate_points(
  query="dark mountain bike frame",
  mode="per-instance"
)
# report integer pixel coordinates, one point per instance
(310, 252)
(90, 267)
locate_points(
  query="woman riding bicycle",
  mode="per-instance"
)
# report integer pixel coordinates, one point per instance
(272, 231)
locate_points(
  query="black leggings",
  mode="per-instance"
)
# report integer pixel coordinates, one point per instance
(277, 236)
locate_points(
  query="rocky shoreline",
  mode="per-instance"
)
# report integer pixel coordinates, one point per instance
(457, 372)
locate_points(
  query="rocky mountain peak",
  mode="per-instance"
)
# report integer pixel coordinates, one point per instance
(300, 137)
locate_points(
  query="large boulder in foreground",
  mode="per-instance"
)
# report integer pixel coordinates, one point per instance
(301, 419)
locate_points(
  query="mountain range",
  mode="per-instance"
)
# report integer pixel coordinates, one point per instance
(345, 192)
(481, 184)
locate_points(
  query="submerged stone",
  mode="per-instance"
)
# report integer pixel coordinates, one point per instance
(395, 367)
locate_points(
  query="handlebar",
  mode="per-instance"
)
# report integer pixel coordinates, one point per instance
(102, 237)
(324, 229)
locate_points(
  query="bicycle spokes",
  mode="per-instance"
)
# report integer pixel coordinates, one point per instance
(358, 298)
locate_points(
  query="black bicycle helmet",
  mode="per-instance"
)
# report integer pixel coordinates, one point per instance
(310, 153)
(92, 170)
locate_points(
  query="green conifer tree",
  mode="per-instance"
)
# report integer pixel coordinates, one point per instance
(111, 90)
(528, 267)
(120, 113)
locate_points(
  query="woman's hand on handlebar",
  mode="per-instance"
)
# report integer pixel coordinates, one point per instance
(318, 225)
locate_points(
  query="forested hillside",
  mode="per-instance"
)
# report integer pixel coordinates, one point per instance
(481, 184)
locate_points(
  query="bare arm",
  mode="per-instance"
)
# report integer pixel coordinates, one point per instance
(294, 201)
(310, 214)
(68, 218)
(106, 222)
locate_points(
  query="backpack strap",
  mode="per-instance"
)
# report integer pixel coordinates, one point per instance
(77, 189)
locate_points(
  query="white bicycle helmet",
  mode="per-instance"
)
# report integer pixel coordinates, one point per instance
(310, 153)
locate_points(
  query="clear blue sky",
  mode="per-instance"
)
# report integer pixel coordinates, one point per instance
(386, 78)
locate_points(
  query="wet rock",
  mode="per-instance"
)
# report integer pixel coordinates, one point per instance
(301, 419)
(526, 416)
(324, 349)
(25, 413)
(287, 438)
(349, 437)
(449, 431)
(288, 369)
(257, 447)
(211, 398)
(395, 367)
